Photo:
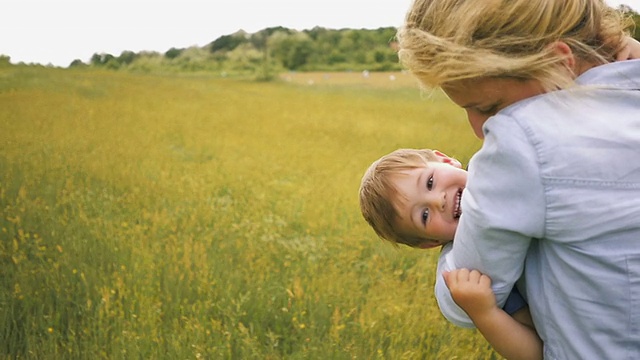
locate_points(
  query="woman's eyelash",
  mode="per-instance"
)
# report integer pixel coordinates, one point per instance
(489, 110)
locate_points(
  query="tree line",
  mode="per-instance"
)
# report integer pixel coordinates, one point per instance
(274, 50)
(267, 52)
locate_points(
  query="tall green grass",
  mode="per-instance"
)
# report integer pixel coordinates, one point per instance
(151, 217)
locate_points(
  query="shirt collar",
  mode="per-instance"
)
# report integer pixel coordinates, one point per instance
(624, 75)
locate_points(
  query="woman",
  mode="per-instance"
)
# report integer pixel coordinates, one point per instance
(554, 192)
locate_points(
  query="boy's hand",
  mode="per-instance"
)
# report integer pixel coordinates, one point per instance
(630, 51)
(471, 290)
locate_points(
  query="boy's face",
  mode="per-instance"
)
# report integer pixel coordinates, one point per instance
(428, 202)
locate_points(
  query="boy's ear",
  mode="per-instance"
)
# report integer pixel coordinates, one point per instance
(448, 160)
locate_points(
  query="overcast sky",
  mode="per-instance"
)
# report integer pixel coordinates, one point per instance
(59, 31)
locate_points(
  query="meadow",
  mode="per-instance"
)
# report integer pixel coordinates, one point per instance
(202, 217)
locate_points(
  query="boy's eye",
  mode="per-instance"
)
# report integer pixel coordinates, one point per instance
(430, 183)
(425, 216)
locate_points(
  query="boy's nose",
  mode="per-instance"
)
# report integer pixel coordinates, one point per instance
(441, 200)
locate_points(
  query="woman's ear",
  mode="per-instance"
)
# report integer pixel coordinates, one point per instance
(563, 50)
(448, 160)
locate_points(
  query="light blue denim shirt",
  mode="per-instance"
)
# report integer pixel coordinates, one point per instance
(554, 194)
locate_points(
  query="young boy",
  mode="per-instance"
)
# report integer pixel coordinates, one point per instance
(412, 197)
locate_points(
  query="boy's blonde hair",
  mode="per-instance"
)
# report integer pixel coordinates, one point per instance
(444, 41)
(377, 192)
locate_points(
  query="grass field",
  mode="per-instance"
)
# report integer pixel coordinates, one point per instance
(194, 217)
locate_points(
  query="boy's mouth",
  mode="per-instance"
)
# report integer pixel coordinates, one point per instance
(457, 208)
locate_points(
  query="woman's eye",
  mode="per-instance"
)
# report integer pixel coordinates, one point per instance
(425, 216)
(430, 183)
(489, 111)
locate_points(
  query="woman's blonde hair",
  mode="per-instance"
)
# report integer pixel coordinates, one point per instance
(377, 191)
(443, 41)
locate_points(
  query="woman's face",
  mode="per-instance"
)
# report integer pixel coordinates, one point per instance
(482, 98)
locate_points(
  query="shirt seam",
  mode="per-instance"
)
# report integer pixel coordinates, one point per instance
(587, 183)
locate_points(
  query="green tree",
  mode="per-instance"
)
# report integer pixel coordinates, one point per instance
(101, 59)
(635, 17)
(5, 60)
(270, 50)
(126, 57)
(77, 63)
(244, 58)
(228, 42)
(173, 53)
(292, 50)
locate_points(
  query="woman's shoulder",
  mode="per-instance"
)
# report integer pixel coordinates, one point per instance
(620, 75)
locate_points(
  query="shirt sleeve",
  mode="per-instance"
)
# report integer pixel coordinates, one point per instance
(448, 307)
(503, 209)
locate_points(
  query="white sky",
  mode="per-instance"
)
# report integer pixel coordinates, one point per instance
(58, 31)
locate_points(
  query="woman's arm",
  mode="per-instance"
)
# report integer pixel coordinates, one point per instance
(471, 290)
(503, 209)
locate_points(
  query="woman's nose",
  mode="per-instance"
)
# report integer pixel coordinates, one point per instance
(476, 121)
